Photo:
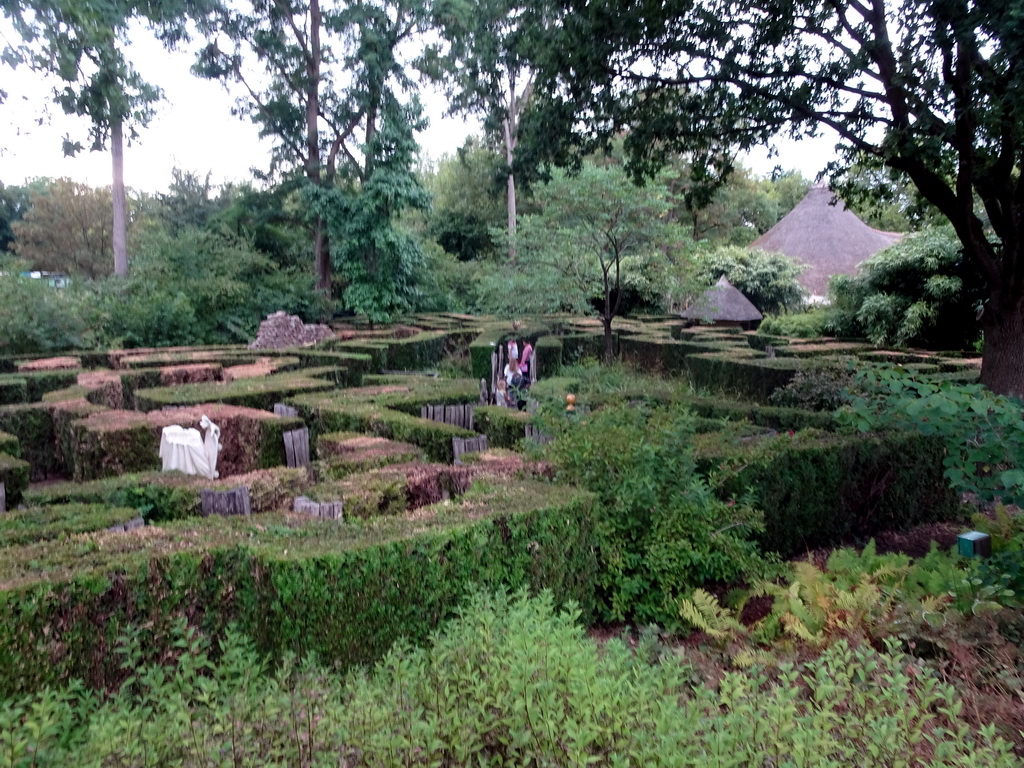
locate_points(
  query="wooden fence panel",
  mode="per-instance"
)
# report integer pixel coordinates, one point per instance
(233, 502)
(131, 525)
(535, 434)
(296, 447)
(328, 510)
(280, 409)
(461, 445)
(3, 497)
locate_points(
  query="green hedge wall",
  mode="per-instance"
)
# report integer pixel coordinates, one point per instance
(14, 475)
(30, 387)
(325, 415)
(346, 593)
(259, 393)
(504, 427)
(165, 496)
(47, 523)
(9, 444)
(32, 424)
(818, 489)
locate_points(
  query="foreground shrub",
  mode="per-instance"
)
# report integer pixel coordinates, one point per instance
(662, 530)
(983, 433)
(510, 682)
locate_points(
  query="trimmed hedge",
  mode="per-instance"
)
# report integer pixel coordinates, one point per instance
(14, 476)
(47, 523)
(9, 444)
(165, 496)
(117, 442)
(325, 414)
(346, 593)
(260, 393)
(819, 489)
(29, 387)
(32, 424)
(344, 453)
(504, 427)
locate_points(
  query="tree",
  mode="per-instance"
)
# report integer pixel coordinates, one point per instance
(376, 258)
(66, 229)
(82, 45)
(466, 201)
(932, 90)
(321, 104)
(595, 236)
(917, 292)
(14, 202)
(485, 72)
(769, 280)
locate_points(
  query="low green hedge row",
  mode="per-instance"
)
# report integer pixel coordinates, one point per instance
(110, 443)
(32, 424)
(261, 393)
(344, 592)
(344, 453)
(504, 427)
(30, 386)
(818, 489)
(164, 496)
(26, 526)
(14, 475)
(327, 414)
(9, 444)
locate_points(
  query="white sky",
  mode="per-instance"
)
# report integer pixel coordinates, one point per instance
(195, 131)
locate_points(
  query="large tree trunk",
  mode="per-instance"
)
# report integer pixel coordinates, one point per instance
(120, 237)
(510, 155)
(609, 345)
(322, 258)
(1002, 364)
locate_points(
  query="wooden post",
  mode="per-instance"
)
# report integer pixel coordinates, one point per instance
(233, 502)
(533, 368)
(461, 445)
(296, 447)
(3, 497)
(286, 411)
(328, 510)
(485, 397)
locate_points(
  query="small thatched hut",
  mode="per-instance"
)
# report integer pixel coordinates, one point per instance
(724, 304)
(829, 239)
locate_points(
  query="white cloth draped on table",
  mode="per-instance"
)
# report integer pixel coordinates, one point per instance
(187, 451)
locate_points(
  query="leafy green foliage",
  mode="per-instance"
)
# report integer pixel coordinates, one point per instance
(817, 389)
(377, 260)
(200, 287)
(36, 317)
(919, 291)
(803, 325)
(509, 681)
(663, 531)
(596, 239)
(769, 280)
(983, 433)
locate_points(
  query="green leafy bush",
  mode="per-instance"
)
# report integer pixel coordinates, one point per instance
(802, 325)
(38, 318)
(818, 389)
(983, 433)
(509, 682)
(769, 280)
(663, 530)
(918, 292)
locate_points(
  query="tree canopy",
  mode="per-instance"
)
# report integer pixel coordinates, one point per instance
(931, 90)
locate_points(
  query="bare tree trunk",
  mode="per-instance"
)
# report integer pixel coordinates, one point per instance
(321, 253)
(120, 235)
(510, 148)
(1002, 364)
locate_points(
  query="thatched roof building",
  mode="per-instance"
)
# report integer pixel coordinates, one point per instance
(829, 239)
(723, 304)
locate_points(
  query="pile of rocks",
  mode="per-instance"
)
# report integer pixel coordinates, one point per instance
(281, 330)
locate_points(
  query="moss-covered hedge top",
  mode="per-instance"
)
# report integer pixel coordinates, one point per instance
(46, 523)
(279, 536)
(258, 393)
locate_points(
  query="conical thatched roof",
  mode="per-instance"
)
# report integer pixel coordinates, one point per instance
(829, 239)
(722, 302)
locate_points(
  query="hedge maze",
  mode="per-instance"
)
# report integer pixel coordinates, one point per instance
(102, 543)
